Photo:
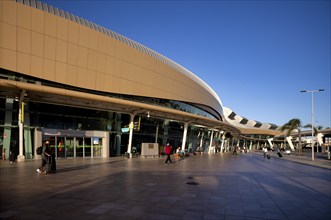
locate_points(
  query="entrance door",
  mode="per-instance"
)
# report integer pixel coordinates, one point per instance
(80, 147)
(87, 147)
(61, 148)
(70, 146)
(66, 143)
(97, 147)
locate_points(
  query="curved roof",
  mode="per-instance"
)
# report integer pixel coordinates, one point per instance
(248, 126)
(59, 12)
(197, 90)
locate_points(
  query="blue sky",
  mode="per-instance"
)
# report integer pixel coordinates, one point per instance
(256, 55)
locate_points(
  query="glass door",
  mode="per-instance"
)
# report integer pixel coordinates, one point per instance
(70, 146)
(80, 147)
(87, 147)
(97, 147)
(61, 148)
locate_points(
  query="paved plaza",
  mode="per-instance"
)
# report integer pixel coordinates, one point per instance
(216, 186)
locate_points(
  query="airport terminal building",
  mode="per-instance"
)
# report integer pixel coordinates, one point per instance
(92, 92)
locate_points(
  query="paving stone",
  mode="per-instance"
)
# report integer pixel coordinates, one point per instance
(220, 187)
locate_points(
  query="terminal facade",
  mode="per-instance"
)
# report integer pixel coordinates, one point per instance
(92, 92)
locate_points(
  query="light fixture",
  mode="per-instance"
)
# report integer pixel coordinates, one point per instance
(148, 114)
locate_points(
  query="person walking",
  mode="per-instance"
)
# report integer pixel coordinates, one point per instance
(235, 151)
(265, 151)
(168, 150)
(44, 157)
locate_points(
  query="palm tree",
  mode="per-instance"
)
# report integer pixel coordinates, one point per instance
(308, 126)
(293, 124)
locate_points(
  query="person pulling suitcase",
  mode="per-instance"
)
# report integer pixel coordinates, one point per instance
(44, 154)
(50, 166)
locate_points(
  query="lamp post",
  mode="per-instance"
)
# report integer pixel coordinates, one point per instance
(312, 118)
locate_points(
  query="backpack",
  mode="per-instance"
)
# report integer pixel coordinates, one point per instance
(39, 150)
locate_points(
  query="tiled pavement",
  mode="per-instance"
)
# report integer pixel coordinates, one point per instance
(217, 186)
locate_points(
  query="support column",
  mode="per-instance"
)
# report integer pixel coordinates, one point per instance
(8, 126)
(219, 136)
(130, 135)
(117, 117)
(27, 134)
(156, 133)
(105, 145)
(75, 146)
(211, 141)
(37, 142)
(165, 132)
(289, 141)
(184, 135)
(223, 140)
(201, 139)
(21, 157)
(270, 142)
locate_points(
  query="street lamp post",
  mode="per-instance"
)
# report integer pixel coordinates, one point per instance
(312, 118)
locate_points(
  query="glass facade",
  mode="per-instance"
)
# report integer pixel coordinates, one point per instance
(65, 128)
(41, 115)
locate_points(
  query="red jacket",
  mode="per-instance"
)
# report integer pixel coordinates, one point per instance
(168, 149)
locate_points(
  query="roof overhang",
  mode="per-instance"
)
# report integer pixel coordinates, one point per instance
(46, 94)
(248, 131)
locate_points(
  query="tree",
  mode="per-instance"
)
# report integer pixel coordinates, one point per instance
(291, 125)
(316, 129)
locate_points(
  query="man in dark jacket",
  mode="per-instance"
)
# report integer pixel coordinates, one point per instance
(44, 157)
(168, 150)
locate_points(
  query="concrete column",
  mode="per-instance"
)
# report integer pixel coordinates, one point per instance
(83, 148)
(223, 140)
(21, 157)
(37, 142)
(105, 145)
(8, 126)
(92, 148)
(270, 142)
(211, 141)
(117, 117)
(156, 133)
(184, 135)
(165, 132)
(130, 135)
(27, 134)
(75, 146)
(289, 141)
(201, 139)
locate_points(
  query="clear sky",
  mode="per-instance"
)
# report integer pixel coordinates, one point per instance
(256, 55)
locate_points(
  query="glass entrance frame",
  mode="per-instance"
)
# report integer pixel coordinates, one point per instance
(97, 147)
(72, 144)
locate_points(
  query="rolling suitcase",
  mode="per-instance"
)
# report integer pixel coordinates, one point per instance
(53, 164)
(49, 167)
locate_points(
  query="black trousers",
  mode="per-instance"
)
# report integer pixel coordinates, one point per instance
(43, 163)
(168, 159)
